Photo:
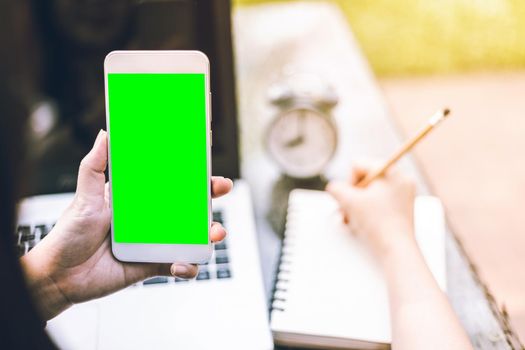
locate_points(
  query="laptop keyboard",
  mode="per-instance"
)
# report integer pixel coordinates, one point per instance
(26, 237)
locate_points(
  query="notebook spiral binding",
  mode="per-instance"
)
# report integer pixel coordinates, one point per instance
(284, 266)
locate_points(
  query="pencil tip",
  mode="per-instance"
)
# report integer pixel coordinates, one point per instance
(446, 112)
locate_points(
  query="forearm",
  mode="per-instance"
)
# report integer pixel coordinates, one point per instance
(422, 317)
(48, 297)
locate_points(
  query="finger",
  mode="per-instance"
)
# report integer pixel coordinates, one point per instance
(91, 178)
(357, 175)
(341, 191)
(360, 170)
(220, 186)
(346, 218)
(217, 232)
(136, 272)
(184, 270)
(106, 192)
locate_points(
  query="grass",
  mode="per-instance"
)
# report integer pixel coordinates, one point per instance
(420, 37)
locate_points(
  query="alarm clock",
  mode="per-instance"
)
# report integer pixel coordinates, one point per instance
(302, 137)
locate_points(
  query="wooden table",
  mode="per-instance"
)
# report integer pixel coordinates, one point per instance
(314, 37)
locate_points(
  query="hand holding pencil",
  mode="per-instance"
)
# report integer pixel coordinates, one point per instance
(382, 212)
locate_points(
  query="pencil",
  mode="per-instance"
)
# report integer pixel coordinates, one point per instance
(434, 121)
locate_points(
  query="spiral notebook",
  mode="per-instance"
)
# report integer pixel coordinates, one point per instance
(329, 292)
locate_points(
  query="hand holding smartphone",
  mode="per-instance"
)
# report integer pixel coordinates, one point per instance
(158, 122)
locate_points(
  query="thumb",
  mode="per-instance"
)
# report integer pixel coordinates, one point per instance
(361, 169)
(358, 174)
(91, 178)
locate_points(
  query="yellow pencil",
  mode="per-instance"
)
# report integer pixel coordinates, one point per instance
(434, 121)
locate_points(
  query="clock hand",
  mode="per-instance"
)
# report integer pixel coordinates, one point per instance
(300, 130)
(302, 121)
(294, 142)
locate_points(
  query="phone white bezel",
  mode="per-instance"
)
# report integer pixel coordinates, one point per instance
(161, 62)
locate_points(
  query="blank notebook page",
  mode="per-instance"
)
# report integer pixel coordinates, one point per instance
(329, 285)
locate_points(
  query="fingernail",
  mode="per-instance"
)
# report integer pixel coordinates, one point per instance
(180, 270)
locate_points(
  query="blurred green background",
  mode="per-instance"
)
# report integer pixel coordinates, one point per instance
(422, 37)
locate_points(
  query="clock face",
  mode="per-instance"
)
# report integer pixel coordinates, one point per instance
(302, 141)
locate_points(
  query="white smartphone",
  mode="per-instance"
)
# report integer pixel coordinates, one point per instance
(158, 123)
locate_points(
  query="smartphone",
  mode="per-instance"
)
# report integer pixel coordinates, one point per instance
(158, 123)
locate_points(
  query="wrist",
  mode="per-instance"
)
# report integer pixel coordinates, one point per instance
(397, 241)
(47, 296)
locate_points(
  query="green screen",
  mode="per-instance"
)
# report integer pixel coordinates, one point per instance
(159, 184)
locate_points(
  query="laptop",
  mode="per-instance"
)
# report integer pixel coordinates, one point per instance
(225, 306)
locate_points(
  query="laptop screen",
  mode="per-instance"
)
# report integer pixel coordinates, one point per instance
(67, 90)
